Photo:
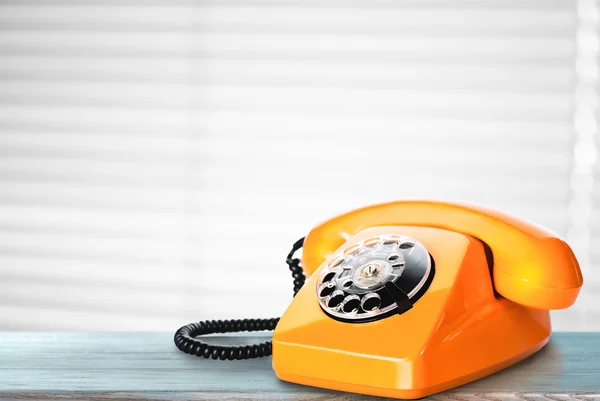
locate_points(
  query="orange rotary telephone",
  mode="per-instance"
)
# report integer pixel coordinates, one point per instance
(406, 299)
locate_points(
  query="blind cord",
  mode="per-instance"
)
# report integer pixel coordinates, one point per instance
(185, 337)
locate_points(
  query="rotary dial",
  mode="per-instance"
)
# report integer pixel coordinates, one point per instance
(375, 278)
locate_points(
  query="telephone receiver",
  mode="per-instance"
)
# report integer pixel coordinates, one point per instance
(410, 298)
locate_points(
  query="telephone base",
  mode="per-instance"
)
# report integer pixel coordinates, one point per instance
(459, 331)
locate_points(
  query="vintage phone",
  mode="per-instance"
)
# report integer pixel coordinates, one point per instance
(410, 298)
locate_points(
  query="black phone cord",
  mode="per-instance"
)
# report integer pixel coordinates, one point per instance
(185, 337)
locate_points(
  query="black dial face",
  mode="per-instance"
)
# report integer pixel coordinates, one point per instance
(375, 278)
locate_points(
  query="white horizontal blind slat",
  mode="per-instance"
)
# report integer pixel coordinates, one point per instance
(157, 157)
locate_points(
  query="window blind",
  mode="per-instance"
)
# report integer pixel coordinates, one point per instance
(158, 159)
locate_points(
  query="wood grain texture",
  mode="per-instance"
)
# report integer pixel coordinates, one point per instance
(136, 366)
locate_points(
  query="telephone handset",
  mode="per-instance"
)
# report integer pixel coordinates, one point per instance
(409, 298)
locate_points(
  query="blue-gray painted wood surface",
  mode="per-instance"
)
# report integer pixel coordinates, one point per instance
(109, 366)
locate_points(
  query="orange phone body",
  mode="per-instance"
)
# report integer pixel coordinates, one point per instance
(485, 308)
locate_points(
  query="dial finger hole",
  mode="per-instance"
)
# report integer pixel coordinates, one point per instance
(352, 250)
(371, 302)
(328, 276)
(326, 289)
(392, 240)
(372, 241)
(335, 300)
(348, 283)
(351, 304)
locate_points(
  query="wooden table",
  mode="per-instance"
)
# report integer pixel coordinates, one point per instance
(133, 366)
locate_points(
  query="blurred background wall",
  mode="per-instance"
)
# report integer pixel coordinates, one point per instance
(158, 158)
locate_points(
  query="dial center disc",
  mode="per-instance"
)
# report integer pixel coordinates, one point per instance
(372, 274)
(370, 270)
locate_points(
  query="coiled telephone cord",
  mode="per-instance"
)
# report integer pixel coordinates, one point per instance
(186, 341)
